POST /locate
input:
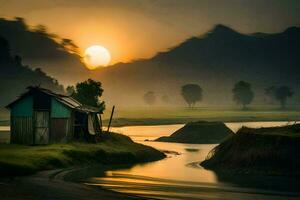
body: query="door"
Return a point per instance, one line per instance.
(41, 127)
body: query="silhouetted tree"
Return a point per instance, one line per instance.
(89, 93)
(70, 90)
(282, 94)
(150, 98)
(242, 93)
(270, 93)
(191, 93)
(279, 94)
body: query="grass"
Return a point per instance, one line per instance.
(178, 115)
(273, 150)
(113, 149)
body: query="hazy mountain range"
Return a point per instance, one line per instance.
(39, 48)
(15, 77)
(215, 60)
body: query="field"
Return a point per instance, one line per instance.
(113, 149)
(173, 115)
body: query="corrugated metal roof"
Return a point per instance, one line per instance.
(64, 99)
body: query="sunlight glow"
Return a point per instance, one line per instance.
(96, 56)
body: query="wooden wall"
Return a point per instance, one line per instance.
(21, 130)
(61, 123)
(22, 122)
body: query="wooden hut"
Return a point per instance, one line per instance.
(40, 116)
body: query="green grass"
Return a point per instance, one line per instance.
(112, 149)
(174, 115)
(274, 150)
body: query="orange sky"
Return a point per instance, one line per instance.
(132, 29)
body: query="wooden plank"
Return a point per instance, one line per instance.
(21, 130)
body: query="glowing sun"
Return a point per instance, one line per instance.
(96, 56)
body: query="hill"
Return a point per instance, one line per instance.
(201, 132)
(215, 60)
(15, 77)
(273, 150)
(57, 56)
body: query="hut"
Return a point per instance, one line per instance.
(40, 116)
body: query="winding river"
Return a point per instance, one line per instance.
(179, 176)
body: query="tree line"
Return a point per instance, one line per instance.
(242, 94)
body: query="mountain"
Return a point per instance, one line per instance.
(215, 60)
(15, 77)
(39, 48)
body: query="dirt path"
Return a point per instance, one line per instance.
(45, 186)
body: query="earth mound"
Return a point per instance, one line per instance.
(200, 132)
(274, 150)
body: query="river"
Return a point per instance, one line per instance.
(179, 176)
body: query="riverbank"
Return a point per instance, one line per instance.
(272, 151)
(16, 160)
(49, 185)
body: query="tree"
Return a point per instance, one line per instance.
(191, 93)
(150, 98)
(88, 93)
(281, 95)
(242, 93)
(70, 90)
(270, 93)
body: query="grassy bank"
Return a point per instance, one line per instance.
(273, 150)
(113, 149)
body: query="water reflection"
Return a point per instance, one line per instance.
(179, 176)
(141, 133)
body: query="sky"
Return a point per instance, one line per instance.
(132, 29)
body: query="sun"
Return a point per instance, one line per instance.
(96, 56)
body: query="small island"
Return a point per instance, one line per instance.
(201, 132)
(273, 150)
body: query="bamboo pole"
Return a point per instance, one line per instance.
(110, 119)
